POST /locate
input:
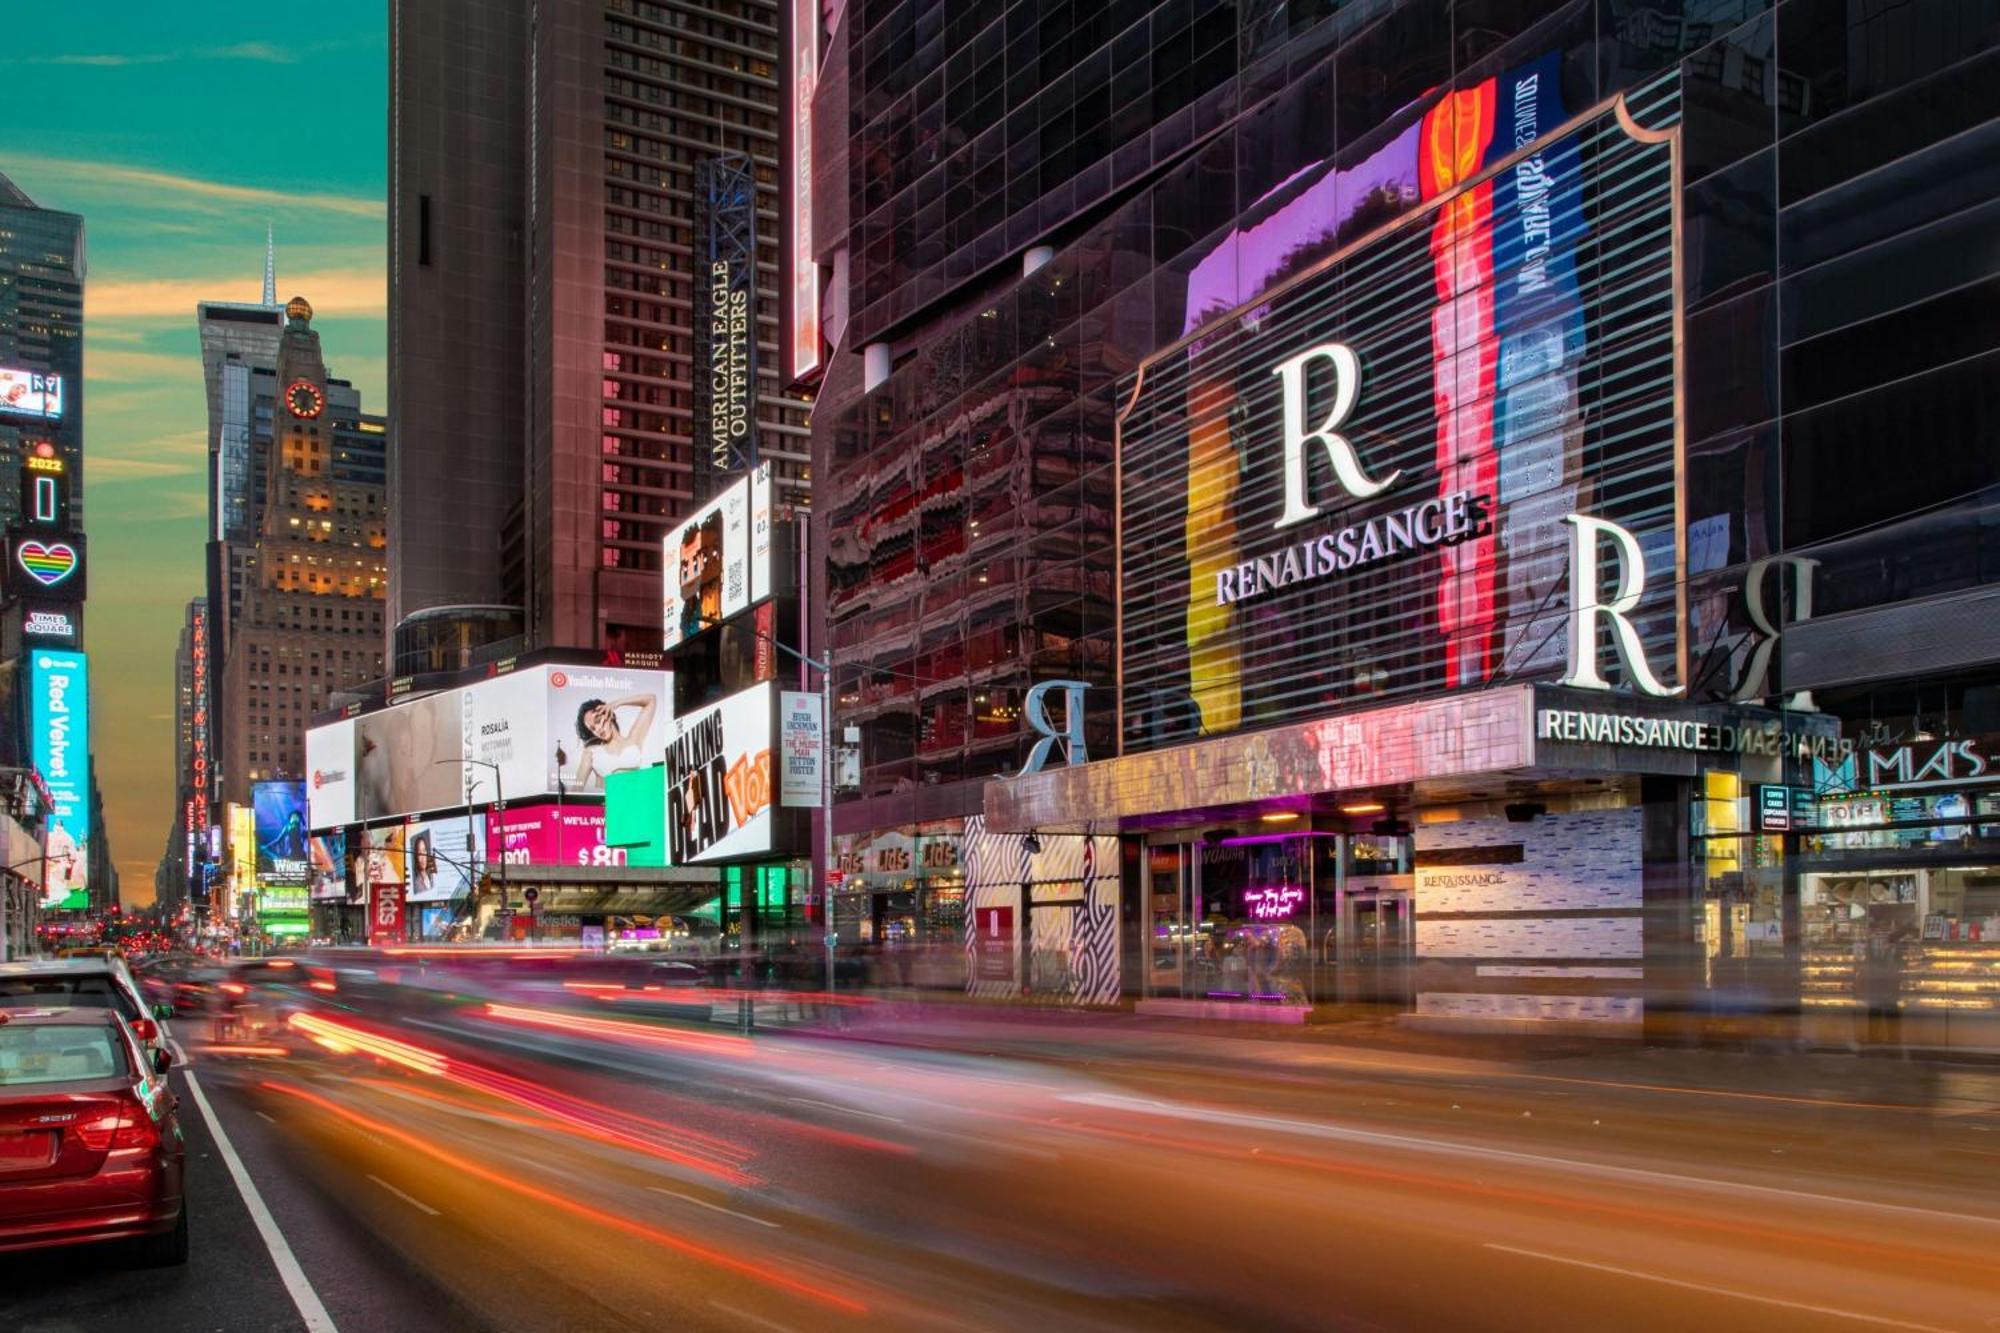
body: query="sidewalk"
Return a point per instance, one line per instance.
(1768, 1064)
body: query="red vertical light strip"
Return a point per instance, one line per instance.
(1456, 135)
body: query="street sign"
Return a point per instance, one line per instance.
(1774, 808)
(531, 893)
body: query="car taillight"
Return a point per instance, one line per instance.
(144, 1029)
(136, 1130)
(98, 1131)
(127, 1126)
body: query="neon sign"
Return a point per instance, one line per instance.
(1271, 902)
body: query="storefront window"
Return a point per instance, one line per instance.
(1741, 927)
(1278, 919)
(1900, 899)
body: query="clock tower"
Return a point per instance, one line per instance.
(314, 582)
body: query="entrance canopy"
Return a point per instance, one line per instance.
(1477, 739)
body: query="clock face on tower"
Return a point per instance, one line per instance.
(304, 399)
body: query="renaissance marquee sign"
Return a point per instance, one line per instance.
(1420, 434)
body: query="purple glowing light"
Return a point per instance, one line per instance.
(1269, 902)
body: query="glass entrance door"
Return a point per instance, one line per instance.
(1169, 895)
(1380, 931)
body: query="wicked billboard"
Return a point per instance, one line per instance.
(1362, 479)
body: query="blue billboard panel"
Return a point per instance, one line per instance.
(59, 699)
(282, 854)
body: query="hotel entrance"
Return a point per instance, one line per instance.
(1379, 939)
(1281, 920)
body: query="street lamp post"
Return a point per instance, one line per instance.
(825, 670)
(500, 807)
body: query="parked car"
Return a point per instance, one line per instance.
(90, 1143)
(93, 983)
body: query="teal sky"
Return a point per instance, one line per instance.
(178, 131)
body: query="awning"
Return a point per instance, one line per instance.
(1515, 730)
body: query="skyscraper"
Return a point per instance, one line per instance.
(308, 618)
(544, 438)
(41, 333)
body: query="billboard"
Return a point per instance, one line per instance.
(719, 560)
(718, 780)
(382, 855)
(45, 565)
(280, 813)
(550, 835)
(541, 731)
(59, 700)
(560, 730)
(1350, 481)
(725, 318)
(635, 815)
(445, 858)
(409, 758)
(242, 835)
(29, 393)
(803, 777)
(330, 774)
(326, 872)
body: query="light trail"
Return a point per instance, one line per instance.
(690, 1148)
(830, 1297)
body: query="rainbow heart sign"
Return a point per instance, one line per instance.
(48, 563)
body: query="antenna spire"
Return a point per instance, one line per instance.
(270, 268)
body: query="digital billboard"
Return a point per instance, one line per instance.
(561, 730)
(330, 774)
(59, 695)
(282, 854)
(635, 815)
(550, 835)
(719, 560)
(382, 860)
(327, 873)
(445, 858)
(1400, 380)
(45, 565)
(242, 835)
(410, 758)
(29, 393)
(718, 780)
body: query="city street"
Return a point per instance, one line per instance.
(1036, 667)
(503, 1157)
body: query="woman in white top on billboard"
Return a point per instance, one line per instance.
(609, 746)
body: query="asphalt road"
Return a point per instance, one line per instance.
(436, 1158)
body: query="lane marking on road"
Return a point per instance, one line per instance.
(413, 1202)
(715, 1207)
(1216, 1115)
(749, 1318)
(269, 1120)
(304, 1298)
(1718, 1291)
(850, 1110)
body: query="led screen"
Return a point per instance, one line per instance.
(59, 691)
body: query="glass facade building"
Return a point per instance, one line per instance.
(1700, 268)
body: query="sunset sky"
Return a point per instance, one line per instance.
(179, 131)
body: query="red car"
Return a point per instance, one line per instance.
(90, 1147)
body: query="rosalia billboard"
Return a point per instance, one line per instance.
(540, 731)
(551, 835)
